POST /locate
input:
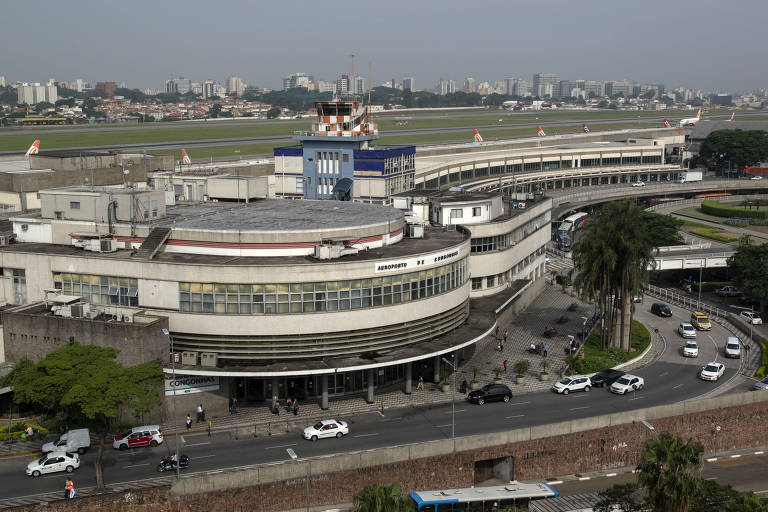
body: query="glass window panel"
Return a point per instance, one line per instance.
(258, 308)
(282, 288)
(354, 285)
(355, 294)
(220, 288)
(232, 288)
(366, 302)
(245, 308)
(282, 308)
(197, 307)
(258, 298)
(208, 287)
(332, 295)
(343, 285)
(296, 307)
(366, 292)
(270, 308)
(195, 287)
(270, 288)
(295, 287)
(387, 280)
(377, 281)
(344, 294)
(232, 307)
(377, 300)
(387, 299)
(295, 297)
(184, 306)
(344, 304)
(355, 303)
(367, 283)
(309, 287)
(207, 308)
(395, 298)
(244, 288)
(309, 307)
(283, 297)
(320, 287)
(332, 305)
(220, 307)
(270, 297)
(257, 288)
(333, 285)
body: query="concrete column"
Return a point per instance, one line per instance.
(408, 378)
(275, 388)
(324, 392)
(437, 370)
(369, 391)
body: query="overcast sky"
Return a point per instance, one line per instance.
(707, 44)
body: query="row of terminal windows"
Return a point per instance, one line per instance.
(123, 291)
(506, 240)
(500, 279)
(480, 172)
(320, 296)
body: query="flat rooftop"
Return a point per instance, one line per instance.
(448, 196)
(97, 190)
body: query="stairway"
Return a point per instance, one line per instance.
(153, 242)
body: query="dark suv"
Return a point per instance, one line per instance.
(661, 310)
(606, 378)
(490, 393)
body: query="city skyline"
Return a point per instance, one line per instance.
(684, 44)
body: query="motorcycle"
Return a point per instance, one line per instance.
(166, 464)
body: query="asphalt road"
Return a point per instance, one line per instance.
(670, 379)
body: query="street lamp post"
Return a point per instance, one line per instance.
(701, 269)
(173, 385)
(453, 397)
(292, 455)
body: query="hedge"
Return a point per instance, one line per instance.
(14, 432)
(760, 373)
(715, 208)
(596, 360)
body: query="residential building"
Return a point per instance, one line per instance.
(108, 88)
(235, 86)
(545, 84)
(408, 83)
(469, 84)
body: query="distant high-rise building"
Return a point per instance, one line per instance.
(343, 85)
(522, 88)
(545, 84)
(564, 89)
(180, 85)
(618, 88)
(79, 85)
(51, 93)
(35, 93)
(235, 86)
(323, 86)
(295, 80)
(2, 81)
(408, 83)
(209, 89)
(447, 86)
(509, 86)
(469, 84)
(593, 88)
(359, 85)
(108, 88)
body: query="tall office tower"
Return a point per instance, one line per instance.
(545, 84)
(469, 84)
(235, 86)
(408, 83)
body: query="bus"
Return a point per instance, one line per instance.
(716, 194)
(481, 499)
(566, 229)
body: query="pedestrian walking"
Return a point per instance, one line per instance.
(189, 422)
(69, 490)
(463, 388)
(505, 335)
(499, 347)
(234, 405)
(496, 334)
(230, 406)
(546, 349)
(209, 428)
(506, 362)
(295, 407)
(200, 413)
(420, 385)
(288, 405)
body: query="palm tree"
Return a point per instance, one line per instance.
(668, 471)
(382, 498)
(612, 259)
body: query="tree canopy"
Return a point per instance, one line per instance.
(737, 148)
(382, 498)
(749, 269)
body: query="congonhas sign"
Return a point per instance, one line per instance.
(191, 384)
(413, 263)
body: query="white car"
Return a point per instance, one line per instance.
(690, 349)
(732, 347)
(761, 385)
(53, 462)
(326, 428)
(712, 371)
(756, 178)
(686, 330)
(638, 184)
(572, 383)
(751, 318)
(626, 384)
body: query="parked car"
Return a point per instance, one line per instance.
(732, 347)
(761, 385)
(326, 428)
(638, 184)
(756, 178)
(700, 321)
(627, 383)
(147, 435)
(661, 310)
(606, 377)
(712, 371)
(686, 330)
(572, 383)
(728, 291)
(53, 462)
(77, 440)
(490, 393)
(690, 349)
(751, 318)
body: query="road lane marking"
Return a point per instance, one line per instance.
(711, 459)
(637, 397)
(515, 416)
(759, 453)
(555, 482)
(366, 435)
(736, 456)
(711, 478)
(204, 456)
(520, 403)
(280, 446)
(611, 474)
(136, 465)
(675, 387)
(577, 408)
(443, 426)
(451, 412)
(582, 478)
(663, 374)
(197, 444)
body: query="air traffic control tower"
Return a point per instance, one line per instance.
(338, 147)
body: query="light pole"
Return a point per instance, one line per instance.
(453, 397)
(292, 454)
(701, 269)
(173, 385)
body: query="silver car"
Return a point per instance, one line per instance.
(761, 385)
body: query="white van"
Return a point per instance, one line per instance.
(78, 440)
(732, 347)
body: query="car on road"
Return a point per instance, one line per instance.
(53, 462)
(728, 291)
(732, 347)
(627, 383)
(700, 321)
(606, 378)
(686, 330)
(712, 371)
(690, 349)
(751, 318)
(490, 393)
(326, 428)
(761, 385)
(661, 309)
(638, 184)
(147, 435)
(572, 383)
(76, 440)
(756, 178)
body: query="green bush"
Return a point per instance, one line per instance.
(13, 433)
(761, 372)
(715, 208)
(714, 234)
(596, 360)
(711, 286)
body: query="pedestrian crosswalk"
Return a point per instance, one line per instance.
(558, 263)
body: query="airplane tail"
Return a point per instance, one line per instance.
(33, 149)
(666, 124)
(733, 115)
(478, 137)
(698, 114)
(585, 128)
(540, 131)
(185, 157)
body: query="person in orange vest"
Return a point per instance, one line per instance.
(69, 490)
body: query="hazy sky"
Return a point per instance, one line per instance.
(708, 44)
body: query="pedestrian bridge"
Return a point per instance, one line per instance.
(682, 257)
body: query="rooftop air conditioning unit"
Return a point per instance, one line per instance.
(128, 319)
(189, 358)
(77, 310)
(208, 359)
(108, 245)
(176, 357)
(415, 231)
